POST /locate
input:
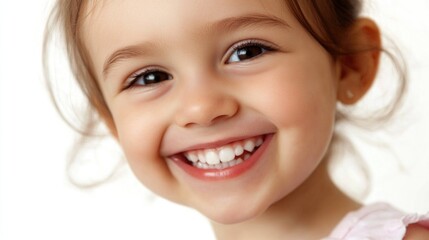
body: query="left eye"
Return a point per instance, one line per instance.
(247, 51)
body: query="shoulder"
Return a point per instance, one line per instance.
(416, 232)
(381, 221)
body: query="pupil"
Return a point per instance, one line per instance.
(249, 52)
(155, 77)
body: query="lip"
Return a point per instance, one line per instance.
(222, 174)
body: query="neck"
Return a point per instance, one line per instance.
(310, 212)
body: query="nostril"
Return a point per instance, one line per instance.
(206, 110)
(208, 122)
(219, 118)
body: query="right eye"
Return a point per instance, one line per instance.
(146, 78)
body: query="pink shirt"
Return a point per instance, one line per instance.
(378, 221)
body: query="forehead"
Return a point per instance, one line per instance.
(158, 12)
(112, 24)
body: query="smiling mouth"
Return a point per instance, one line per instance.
(225, 156)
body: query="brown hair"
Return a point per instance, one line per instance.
(327, 21)
(67, 15)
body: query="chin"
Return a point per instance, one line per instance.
(235, 213)
(242, 210)
(233, 217)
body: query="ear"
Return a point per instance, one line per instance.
(358, 69)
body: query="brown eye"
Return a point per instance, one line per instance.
(154, 77)
(148, 77)
(247, 51)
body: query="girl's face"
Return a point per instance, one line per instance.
(226, 106)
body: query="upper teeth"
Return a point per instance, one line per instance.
(223, 154)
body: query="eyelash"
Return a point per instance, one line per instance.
(250, 43)
(131, 81)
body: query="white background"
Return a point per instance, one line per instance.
(37, 202)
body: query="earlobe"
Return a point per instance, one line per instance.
(359, 67)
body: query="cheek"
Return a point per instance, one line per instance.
(302, 104)
(140, 134)
(298, 94)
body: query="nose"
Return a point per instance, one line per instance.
(205, 105)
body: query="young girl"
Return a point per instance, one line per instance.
(229, 107)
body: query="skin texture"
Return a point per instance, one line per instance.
(416, 232)
(289, 91)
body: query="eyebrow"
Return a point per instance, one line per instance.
(124, 54)
(249, 20)
(225, 25)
